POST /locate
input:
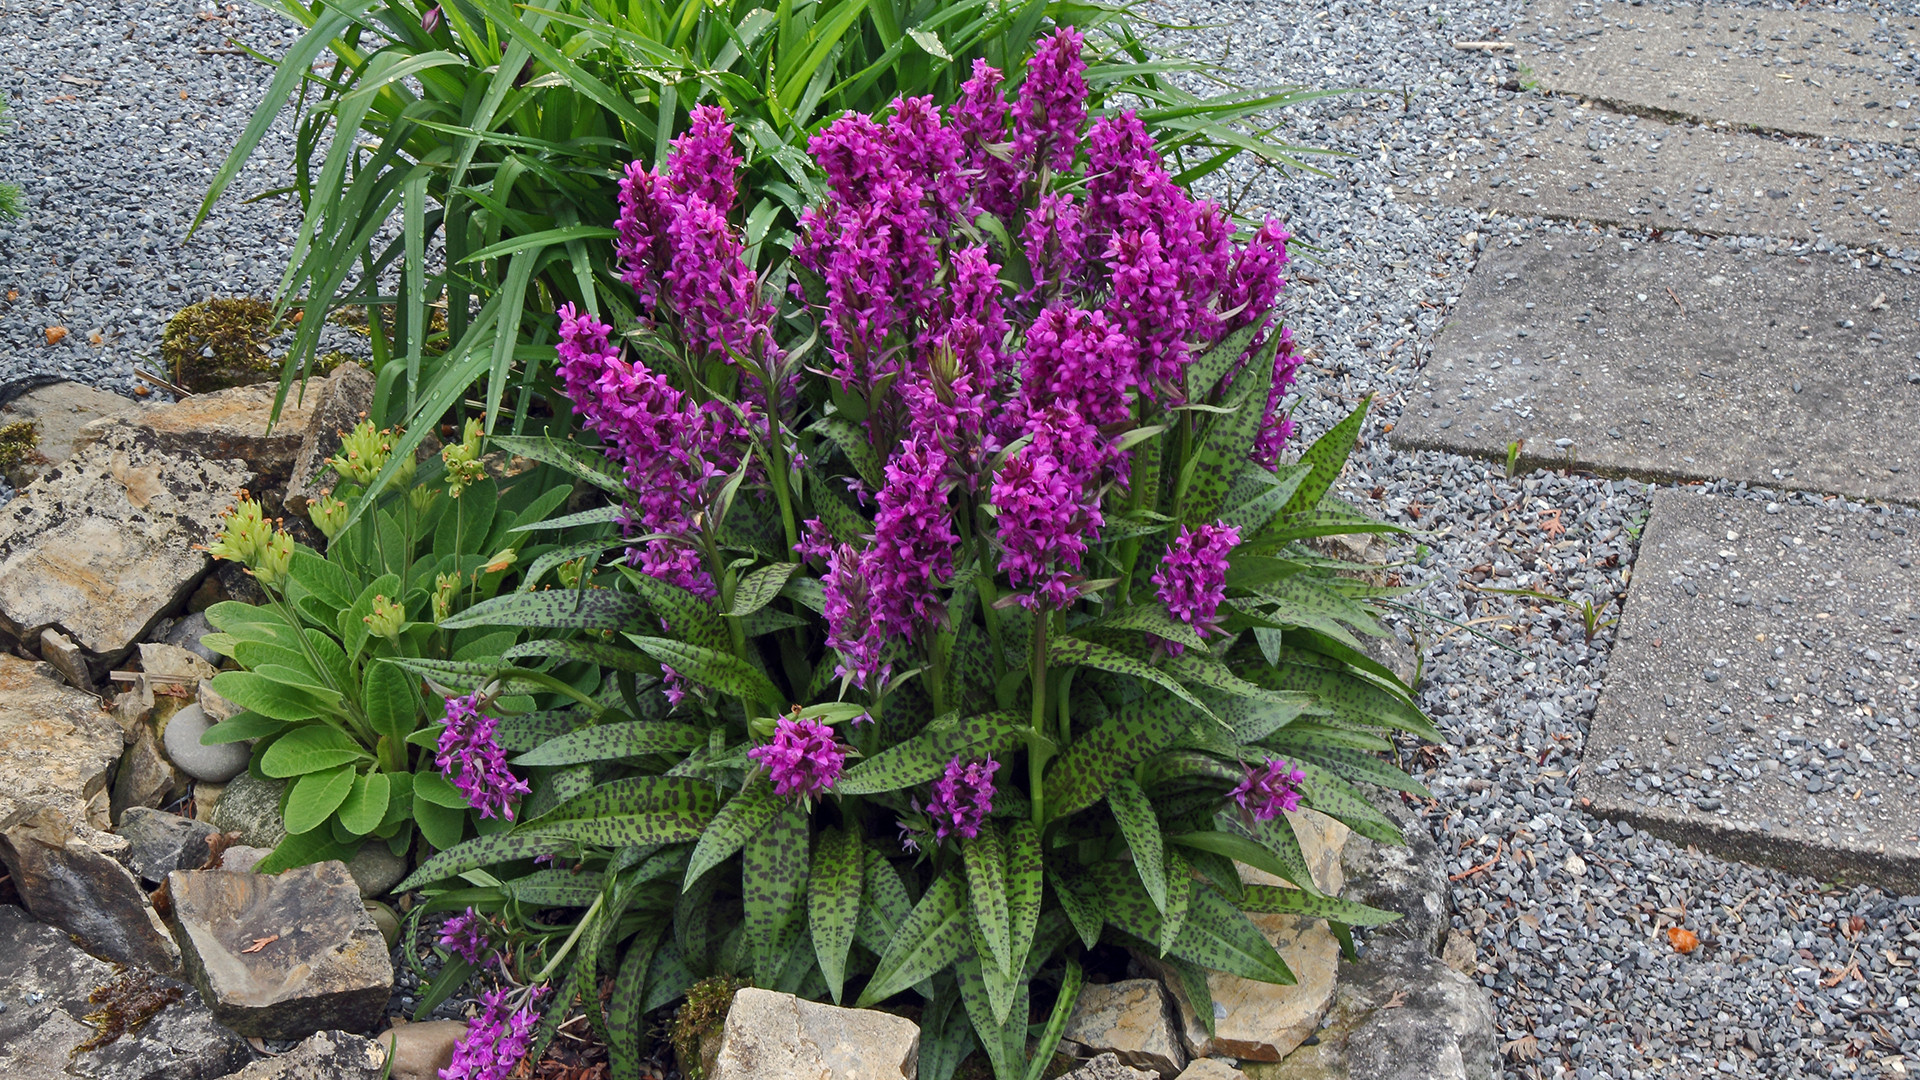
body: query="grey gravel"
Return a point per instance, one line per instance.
(1568, 912)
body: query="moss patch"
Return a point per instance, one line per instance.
(697, 1025)
(130, 1000)
(19, 444)
(220, 342)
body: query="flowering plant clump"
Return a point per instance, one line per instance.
(961, 614)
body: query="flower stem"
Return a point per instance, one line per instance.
(1037, 742)
(567, 945)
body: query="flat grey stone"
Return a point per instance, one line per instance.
(45, 982)
(282, 956)
(160, 843)
(773, 1036)
(1652, 174)
(58, 409)
(1756, 367)
(324, 1055)
(1805, 73)
(1754, 704)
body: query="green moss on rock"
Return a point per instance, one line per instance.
(697, 1026)
(220, 342)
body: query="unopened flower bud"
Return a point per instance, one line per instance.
(463, 461)
(328, 514)
(500, 562)
(386, 619)
(363, 453)
(444, 586)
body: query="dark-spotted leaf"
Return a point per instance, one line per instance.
(479, 852)
(602, 653)
(610, 742)
(1063, 1003)
(1130, 735)
(1277, 900)
(742, 816)
(834, 884)
(1142, 829)
(758, 588)
(1002, 1035)
(929, 940)
(884, 904)
(557, 609)
(689, 618)
(985, 856)
(1173, 914)
(1082, 909)
(1205, 371)
(925, 756)
(569, 457)
(1068, 651)
(1024, 886)
(716, 670)
(635, 810)
(1326, 457)
(1227, 441)
(1354, 765)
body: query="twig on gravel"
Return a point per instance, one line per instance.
(1488, 865)
(1484, 46)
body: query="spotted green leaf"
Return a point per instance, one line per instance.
(1082, 909)
(1072, 979)
(1003, 1035)
(1325, 791)
(760, 587)
(1205, 371)
(985, 856)
(690, 618)
(1128, 736)
(1142, 831)
(931, 939)
(609, 742)
(1355, 765)
(1228, 439)
(634, 810)
(719, 671)
(569, 457)
(556, 609)
(1069, 651)
(1173, 917)
(742, 816)
(851, 439)
(925, 756)
(1024, 888)
(605, 654)
(1277, 900)
(834, 884)
(1326, 457)
(773, 889)
(478, 852)
(1342, 692)
(884, 904)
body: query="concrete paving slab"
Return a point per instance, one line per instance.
(1760, 702)
(1665, 361)
(1797, 72)
(1642, 172)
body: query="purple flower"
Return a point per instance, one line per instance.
(1192, 579)
(1256, 278)
(642, 245)
(1080, 357)
(962, 798)
(1116, 147)
(1278, 427)
(1046, 507)
(703, 164)
(496, 1039)
(928, 152)
(851, 627)
(1055, 242)
(1269, 789)
(913, 543)
(980, 118)
(465, 936)
(1052, 105)
(468, 755)
(803, 759)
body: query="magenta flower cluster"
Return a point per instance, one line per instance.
(468, 755)
(803, 759)
(1192, 579)
(465, 936)
(1269, 789)
(498, 1038)
(962, 798)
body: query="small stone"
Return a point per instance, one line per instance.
(160, 843)
(282, 957)
(325, 1055)
(1209, 1069)
(217, 763)
(1460, 953)
(59, 650)
(66, 874)
(420, 1051)
(1130, 1020)
(145, 778)
(242, 858)
(175, 662)
(1576, 866)
(772, 1036)
(376, 869)
(1109, 1067)
(186, 633)
(251, 807)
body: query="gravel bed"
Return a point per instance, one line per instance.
(1568, 912)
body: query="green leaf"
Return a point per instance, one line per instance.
(1278, 900)
(326, 582)
(1310, 601)
(1024, 887)
(719, 671)
(1358, 766)
(391, 705)
(1205, 371)
(760, 587)
(1082, 910)
(554, 888)
(258, 693)
(1002, 1035)
(578, 461)
(773, 888)
(1228, 439)
(884, 904)
(557, 609)
(931, 939)
(925, 756)
(985, 857)
(1323, 790)
(442, 826)
(1070, 983)
(609, 742)
(1126, 737)
(1142, 829)
(309, 749)
(315, 796)
(438, 790)
(636, 810)
(1173, 917)
(690, 617)
(1069, 651)
(478, 852)
(1326, 457)
(241, 727)
(365, 806)
(834, 884)
(1342, 692)
(299, 849)
(604, 654)
(624, 1018)
(851, 439)
(739, 818)
(1151, 618)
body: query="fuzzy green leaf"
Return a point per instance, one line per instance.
(309, 749)
(389, 700)
(241, 727)
(834, 884)
(268, 697)
(315, 796)
(365, 806)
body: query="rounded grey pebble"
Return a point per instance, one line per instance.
(214, 764)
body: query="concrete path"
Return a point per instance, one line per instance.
(1761, 700)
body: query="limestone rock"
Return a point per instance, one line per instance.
(56, 746)
(216, 707)
(1109, 1067)
(103, 545)
(1130, 1020)
(224, 425)
(58, 409)
(186, 633)
(771, 1036)
(1257, 1021)
(1410, 879)
(67, 658)
(217, 763)
(420, 1051)
(44, 985)
(145, 777)
(323, 963)
(251, 807)
(66, 875)
(175, 662)
(242, 858)
(338, 404)
(1442, 1028)
(324, 1055)
(160, 843)
(1209, 1069)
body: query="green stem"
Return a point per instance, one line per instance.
(1036, 737)
(567, 945)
